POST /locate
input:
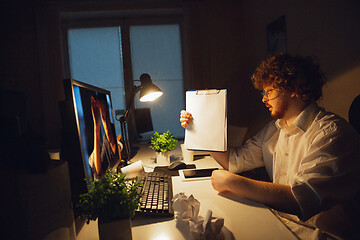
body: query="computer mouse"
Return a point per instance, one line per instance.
(176, 166)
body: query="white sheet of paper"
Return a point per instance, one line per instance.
(208, 130)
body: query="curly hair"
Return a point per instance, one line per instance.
(294, 74)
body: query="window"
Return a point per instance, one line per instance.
(157, 51)
(97, 56)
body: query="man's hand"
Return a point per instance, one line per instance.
(185, 118)
(220, 180)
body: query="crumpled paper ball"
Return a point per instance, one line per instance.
(208, 228)
(187, 209)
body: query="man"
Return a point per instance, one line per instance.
(311, 155)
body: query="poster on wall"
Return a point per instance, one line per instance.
(276, 36)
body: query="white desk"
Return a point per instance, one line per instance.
(243, 219)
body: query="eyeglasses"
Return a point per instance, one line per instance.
(265, 94)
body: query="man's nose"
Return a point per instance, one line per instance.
(264, 99)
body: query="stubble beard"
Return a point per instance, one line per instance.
(279, 112)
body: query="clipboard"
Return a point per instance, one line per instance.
(208, 130)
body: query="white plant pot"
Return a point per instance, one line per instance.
(163, 158)
(116, 230)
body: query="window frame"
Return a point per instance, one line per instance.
(123, 20)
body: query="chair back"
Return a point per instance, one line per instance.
(354, 114)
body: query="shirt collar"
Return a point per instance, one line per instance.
(303, 120)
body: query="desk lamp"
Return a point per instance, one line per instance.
(148, 92)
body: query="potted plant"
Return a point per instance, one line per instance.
(113, 201)
(162, 144)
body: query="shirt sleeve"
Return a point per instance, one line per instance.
(329, 172)
(250, 155)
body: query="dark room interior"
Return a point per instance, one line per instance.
(222, 43)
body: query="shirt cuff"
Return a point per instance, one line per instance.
(307, 200)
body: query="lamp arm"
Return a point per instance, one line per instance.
(123, 122)
(134, 90)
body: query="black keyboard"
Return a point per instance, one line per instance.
(156, 194)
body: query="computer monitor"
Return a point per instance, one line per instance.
(88, 133)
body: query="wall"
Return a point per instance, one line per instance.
(234, 42)
(223, 43)
(327, 30)
(19, 68)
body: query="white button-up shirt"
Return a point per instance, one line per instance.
(317, 155)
